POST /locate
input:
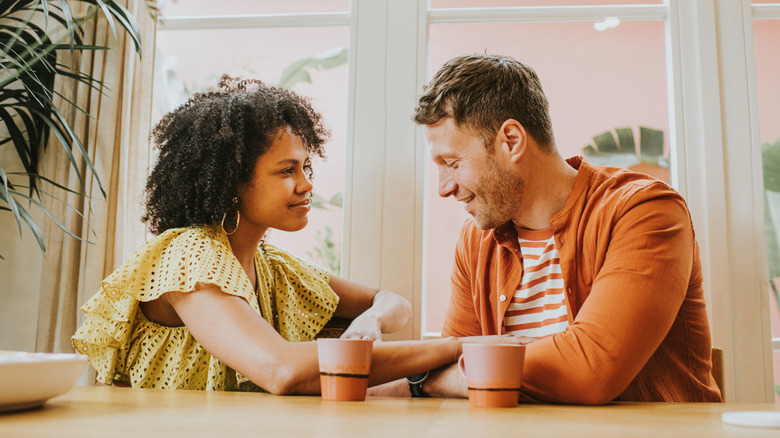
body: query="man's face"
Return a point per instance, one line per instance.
(490, 191)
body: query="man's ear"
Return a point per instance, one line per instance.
(513, 139)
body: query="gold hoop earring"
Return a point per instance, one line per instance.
(231, 221)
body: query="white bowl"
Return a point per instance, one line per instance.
(27, 380)
(769, 419)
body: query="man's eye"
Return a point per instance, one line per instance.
(451, 164)
(288, 171)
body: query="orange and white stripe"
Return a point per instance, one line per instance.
(538, 307)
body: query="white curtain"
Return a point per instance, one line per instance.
(117, 138)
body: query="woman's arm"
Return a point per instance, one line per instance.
(228, 328)
(373, 311)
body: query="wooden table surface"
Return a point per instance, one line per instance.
(142, 413)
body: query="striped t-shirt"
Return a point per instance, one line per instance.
(538, 307)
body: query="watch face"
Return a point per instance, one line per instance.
(418, 378)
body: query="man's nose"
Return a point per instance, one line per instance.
(446, 185)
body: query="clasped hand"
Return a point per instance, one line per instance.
(365, 326)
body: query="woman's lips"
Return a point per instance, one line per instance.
(303, 205)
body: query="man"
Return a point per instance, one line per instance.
(598, 265)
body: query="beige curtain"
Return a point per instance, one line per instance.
(117, 140)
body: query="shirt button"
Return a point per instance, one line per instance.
(502, 298)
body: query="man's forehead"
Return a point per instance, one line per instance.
(446, 139)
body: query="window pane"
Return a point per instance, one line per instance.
(193, 60)
(766, 36)
(596, 82)
(190, 8)
(436, 4)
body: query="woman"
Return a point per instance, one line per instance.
(206, 304)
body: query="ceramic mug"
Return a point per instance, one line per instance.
(494, 373)
(344, 368)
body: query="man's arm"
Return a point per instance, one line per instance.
(633, 302)
(446, 381)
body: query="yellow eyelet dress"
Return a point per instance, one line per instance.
(123, 345)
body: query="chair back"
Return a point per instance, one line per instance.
(717, 369)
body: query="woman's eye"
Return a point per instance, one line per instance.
(288, 171)
(451, 164)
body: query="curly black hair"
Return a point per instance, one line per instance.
(209, 146)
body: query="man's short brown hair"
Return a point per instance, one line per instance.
(481, 92)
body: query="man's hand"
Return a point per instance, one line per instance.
(446, 381)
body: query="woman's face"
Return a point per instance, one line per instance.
(278, 194)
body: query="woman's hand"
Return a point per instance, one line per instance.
(498, 339)
(373, 311)
(365, 326)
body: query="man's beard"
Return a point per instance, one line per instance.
(499, 194)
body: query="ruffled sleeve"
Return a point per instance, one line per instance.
(176, 260)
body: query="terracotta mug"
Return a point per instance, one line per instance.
(494, 373)
(344, 368)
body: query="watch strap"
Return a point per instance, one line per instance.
(415, 384)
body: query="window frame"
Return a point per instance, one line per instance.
(712, 104)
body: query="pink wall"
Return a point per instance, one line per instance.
(595, 81)
(766, 36)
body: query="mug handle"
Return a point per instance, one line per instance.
(462, 366)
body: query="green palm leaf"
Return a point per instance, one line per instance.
(33, 33)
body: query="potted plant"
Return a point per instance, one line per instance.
(618, 149)
(36, 39)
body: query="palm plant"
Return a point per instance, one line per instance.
(619, 148)
(35, 38)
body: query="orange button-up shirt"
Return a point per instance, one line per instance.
(638, 323)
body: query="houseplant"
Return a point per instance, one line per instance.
(40, 42)
(619, 149)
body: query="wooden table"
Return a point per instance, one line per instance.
(143, 413)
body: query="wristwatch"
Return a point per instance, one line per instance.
(415, 384)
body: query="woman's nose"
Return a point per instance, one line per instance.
(305, 185)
